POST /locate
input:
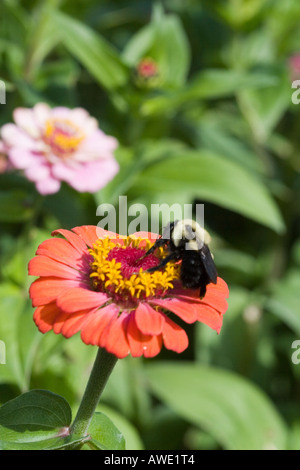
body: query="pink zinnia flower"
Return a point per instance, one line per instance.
(94, 282)
(60, 144)
(294, 65)
(4, 163)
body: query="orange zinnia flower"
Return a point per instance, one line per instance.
(94, 281)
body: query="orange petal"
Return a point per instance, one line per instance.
(135, 337)
(68, 324)
(113, 337)
(76, 299)
(210, 317)
(221, 286)
(90, 233)
(175, 338)
(215, 300)
(72, 238)
(46, 290)
(140, 344)
(45, 315)
(184, 309)
(148, 320)
(60, 250)
(96, 322)
(44, 266)
(215, 296)
(153, 347)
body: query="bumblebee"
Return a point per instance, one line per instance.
(184, 240)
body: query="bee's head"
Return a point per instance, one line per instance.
(189, 233)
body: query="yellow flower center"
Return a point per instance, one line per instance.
(119, 270)
(63, 136)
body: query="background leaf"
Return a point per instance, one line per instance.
(101, 59)
(35, 420)
(215, 125)
(232, 409)
(207, 176)
(14, 206)
(104, 434)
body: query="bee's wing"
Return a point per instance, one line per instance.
(168, 229)
(208, 263)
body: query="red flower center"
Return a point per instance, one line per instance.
(120, 270)
(130, 259)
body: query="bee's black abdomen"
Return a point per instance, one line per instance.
(192, 271)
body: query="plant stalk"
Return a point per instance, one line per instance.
(103, 367)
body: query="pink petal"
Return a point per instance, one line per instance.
(41, 113)
(47, 186)
(61, 112)
(24, 118)
(38, 172)
(87, 177)
(97, 146)
(23, 158)
(83, 120)
(15, 137)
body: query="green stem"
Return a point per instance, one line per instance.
(103, 366)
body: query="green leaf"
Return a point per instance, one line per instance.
(12, 303)
(164, 40)
(285, 300)
(104, 434)
(209, 84)
(38, 419)
(208, 176)
(133, 439)
(14, 206)
(263, 109)
(215, 138)
(229, 407)
(97, 55)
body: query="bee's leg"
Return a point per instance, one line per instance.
(163, 263)
(158, 243)
(202, 291)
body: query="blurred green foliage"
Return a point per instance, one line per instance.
(217, 126)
